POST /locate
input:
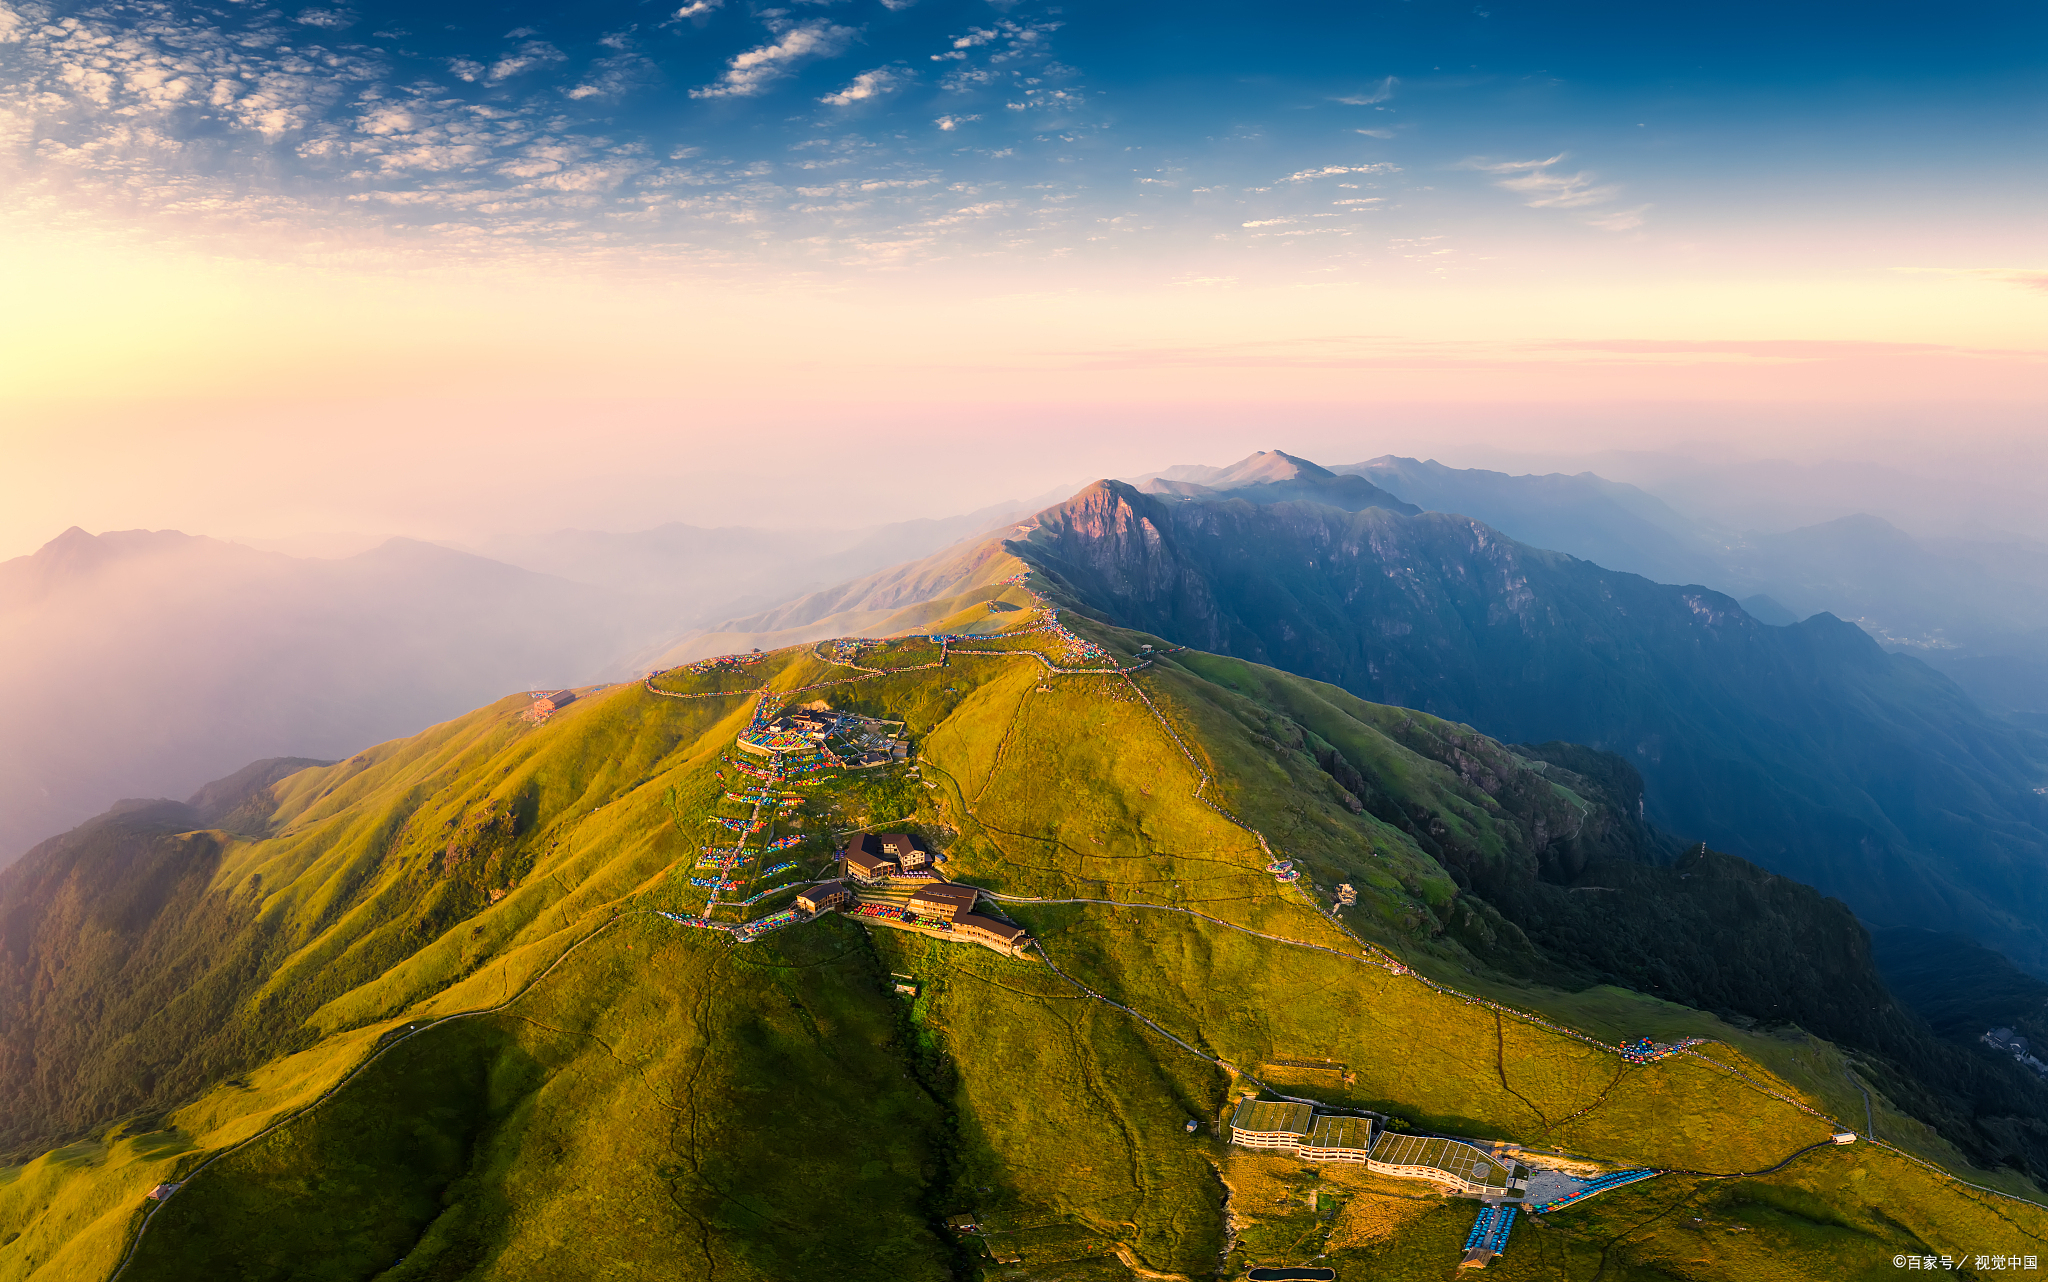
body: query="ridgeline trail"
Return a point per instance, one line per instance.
(1370, 954)
(377, 1052)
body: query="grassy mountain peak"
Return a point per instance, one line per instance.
(472, 951)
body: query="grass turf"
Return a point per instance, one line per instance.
(665, 1103)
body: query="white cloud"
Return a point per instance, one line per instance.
(1047, 100)
(699, 8)
(613, 77)
(530, 56)
(589, 177)
(329, 19)
(1542, 186)
(1361, 200)
(868, 84)
(751, 73)
(1267, 222)
(152, 107)
(1375, 133)
(1378, 93)
(962, 79)
(1328, 171)
(987, 49)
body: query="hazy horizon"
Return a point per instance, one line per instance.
(341, 510)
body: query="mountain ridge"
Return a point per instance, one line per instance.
(495, 860)
(1444, 614)
(1739, 751)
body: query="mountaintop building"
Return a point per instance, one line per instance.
(1450, 1164)
(1270, 1124)
(947, 899)
(902, 848)
(872, 857)
(824, 895)
(990, 933)
(864, 859)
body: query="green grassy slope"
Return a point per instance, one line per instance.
(642, 1096)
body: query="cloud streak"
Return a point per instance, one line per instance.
(752, 72)
(866, 85)
(1377, 94)
(1332, 171)
(1542, 185)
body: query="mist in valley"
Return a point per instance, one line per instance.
(150, 663)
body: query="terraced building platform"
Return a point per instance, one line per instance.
(1323, 1137)
(1452, 1163)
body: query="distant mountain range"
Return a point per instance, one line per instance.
(149, 662)
(467, 976)
(1976, 607)
(1806, 748)
(408, 632)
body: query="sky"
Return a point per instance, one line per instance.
(442, 268)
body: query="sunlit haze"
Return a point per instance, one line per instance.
(346, 268)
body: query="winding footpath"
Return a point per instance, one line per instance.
(1372, 954)
(1375, 955)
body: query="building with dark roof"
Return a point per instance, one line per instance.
(865, 861)
(947, 899)
(545, 704)
(1452, 1165)
(990, 933)
(902, 847)
(824, 895)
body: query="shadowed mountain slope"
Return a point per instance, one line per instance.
(1615, 525)
(1975, 607)
(1807, 749)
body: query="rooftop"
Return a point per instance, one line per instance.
(1341, 1132)
(949, 894)
(1269, 1116)
(1459, 1160)
(1001, 929)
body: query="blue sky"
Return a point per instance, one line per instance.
(886, 132)
(257, 249)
